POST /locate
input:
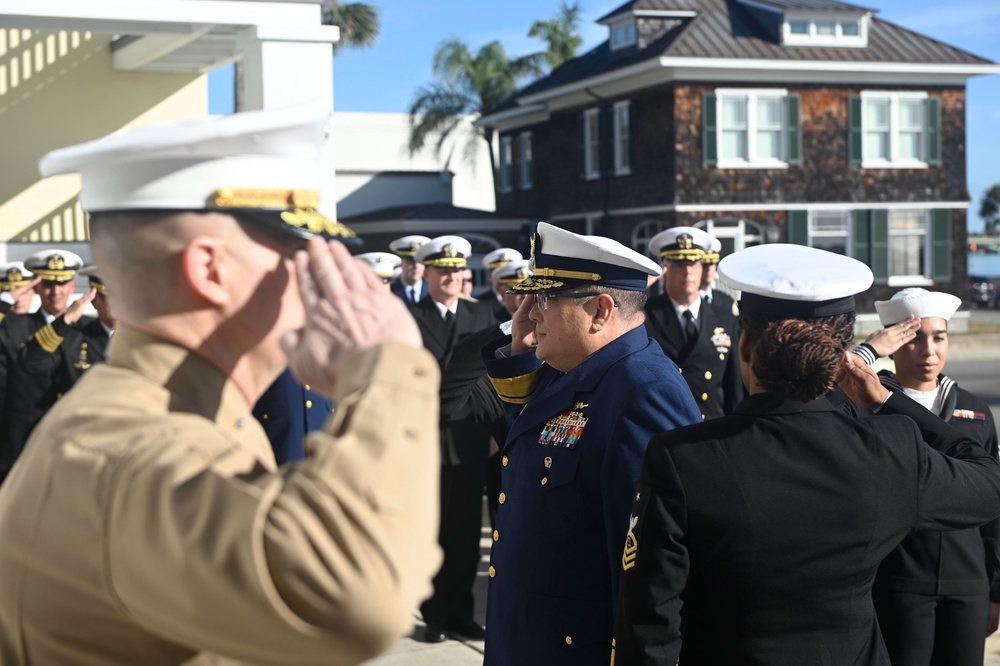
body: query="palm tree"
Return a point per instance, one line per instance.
(561, 33)
(466, 85)
(989, 209)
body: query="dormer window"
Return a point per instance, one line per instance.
(803, 30)
(622, 34)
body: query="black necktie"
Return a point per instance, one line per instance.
(411, 294)
(449, 320)
(690, 332)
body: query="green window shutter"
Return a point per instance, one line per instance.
(798, 227)
(709, 131)
(855, 147)
(631, 136)
(862, 236)
(941, 229)
(606, 125)
(793, 118)
(933, 107)
(880, 246)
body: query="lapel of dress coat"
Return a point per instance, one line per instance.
(557, 395)
(667, 328)
(428, 315)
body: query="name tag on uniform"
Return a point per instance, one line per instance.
(563, 430)
(968, 414)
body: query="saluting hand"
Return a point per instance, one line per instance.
(886, 341)
(860, 382)
(348, 310)
(21, 291)
(75, 311)
(522, 328)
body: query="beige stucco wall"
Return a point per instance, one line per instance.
(57, 89)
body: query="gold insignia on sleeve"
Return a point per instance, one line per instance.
(82, 364)
(631, 545)
(517, 390)
(48, 339)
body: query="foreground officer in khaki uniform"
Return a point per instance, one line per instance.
(146, 522)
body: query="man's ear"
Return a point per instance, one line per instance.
(746, 347)
(203, 268)
(605, 308)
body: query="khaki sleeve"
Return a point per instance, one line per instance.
(320, 563)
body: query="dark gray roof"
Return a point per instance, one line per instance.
(729, 29)
(817, 5)
(434, 211)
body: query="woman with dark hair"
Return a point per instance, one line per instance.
(754, 538)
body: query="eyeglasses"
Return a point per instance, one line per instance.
(542, 298)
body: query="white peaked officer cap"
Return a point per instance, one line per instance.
(919, 302)
(680, 244)
(445, 252)
(513, 272)
(712, 256)
(794, 281)
(54, 265)
(261, 165)
(13, 274)
(95, 281)
(501, 256)
(407, 246)
(387, 266)
(561, 259)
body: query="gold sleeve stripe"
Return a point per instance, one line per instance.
(517, 390)
(48, 339)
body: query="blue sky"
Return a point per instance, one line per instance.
(386, 77)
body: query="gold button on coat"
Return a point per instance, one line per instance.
(503, 498)
(545, 480)
(493, 572)
(569, 640)
(309, 403)
(496, 535)
(704, 397)
(505, 461)
(708, 375)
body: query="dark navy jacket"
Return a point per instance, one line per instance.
(288, 411)
(398, 287)
(569, 469)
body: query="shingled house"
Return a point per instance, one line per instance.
(802, 121)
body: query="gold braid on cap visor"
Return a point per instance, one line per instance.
(302, 202)
(692, 254)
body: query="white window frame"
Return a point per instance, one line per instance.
(623, 34)
(813, 38)
(848, 236)
(526, 150)
(752, 96)
(894, 98)
(901, 280)
(506, 164)
(623, 138)
(592, 144)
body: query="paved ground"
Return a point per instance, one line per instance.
(413, 652)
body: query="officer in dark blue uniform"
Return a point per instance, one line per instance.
(287, 411)
(411, 286)
(587, 389)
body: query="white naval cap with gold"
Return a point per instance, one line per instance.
(712, 256)
(407, 246)
(499, 257)
(445, 252)
(13, 274)
(680, 244)
(795, 281)
(512, 272)
(262, 165)
(919, 302)
(93, 279)
(561, 259)
(54, 265)
(386, 265)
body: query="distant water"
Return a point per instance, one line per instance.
(984, 264)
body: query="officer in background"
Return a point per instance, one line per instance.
(16, 288)
(444, 318)
(387, 266)
(27, 397)
(491, 262)
(586, 389)
(699, 337)
(710, 293)
(935, 595)
(410, 286)
(151, 521)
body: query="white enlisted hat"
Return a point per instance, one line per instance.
(13, 274)
(712, 256)
(93, 279)
(680, 244)
(512, 272)
(386, 265)
(260, 165)
(794, 281)
(407, 246)
(919, 302)
(445, 252)
(561, 259)
(54, 265)
(501, 256)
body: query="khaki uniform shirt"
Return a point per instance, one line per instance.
(147, 523)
